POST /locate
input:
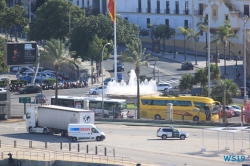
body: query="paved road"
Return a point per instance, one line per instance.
(139, 143)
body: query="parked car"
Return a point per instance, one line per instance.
(120, 66)
(120, 76)
(3, 90)
(40, 98)
(228, 111)
(26, 78)
(170, 132)
(30, 89)
(176, 90)
(14, 68)
(107, 80)
(242, 91)
(52, 75)
(236, 110)
(98, 90)
(163, 86)
(64, 76)
(187, 66)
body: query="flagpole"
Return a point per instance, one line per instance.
(115, 51)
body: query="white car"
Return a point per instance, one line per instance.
(163, 87)
(97, 90)
(170, 132)
(236, 109)
(3, 90)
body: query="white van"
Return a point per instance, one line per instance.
(85, 131)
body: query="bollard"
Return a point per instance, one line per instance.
(30, 144)
(78, 147)
(105, 151)
(69, 146)
(138, 164)
(0, 143)
(61, 145)
(114, 152)
(43, 156)
(95, 149)
(46, 144)
(2, 155)
(14, 143)
(87, 149)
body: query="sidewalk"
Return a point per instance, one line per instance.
(201, 62)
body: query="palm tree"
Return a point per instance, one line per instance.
(57, 53)
(202, 27)
(222, 36)
(136, 55)
(186, 32)
(186, 82)
(196, 38)
(225, 89)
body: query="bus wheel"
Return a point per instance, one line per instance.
(74, 139)
(196, 118)
(45, 131)
(157, 117)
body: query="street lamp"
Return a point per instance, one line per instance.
(102, 79)
(244, 62)
(196, 39)
(69, 19)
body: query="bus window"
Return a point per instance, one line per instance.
(146, 102)
(185, 103)
(95, 104)
(53, 102)
(60, 102)
(160, 102)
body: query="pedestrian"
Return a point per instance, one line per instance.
(94, 78)
(128, 114)
(97, 79)
(238, 75)
(11, 38)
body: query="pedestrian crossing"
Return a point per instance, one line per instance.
(172, 81)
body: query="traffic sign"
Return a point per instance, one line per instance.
(24, 99)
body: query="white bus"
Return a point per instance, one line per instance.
(112, 107)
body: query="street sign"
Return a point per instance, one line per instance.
(24, 99)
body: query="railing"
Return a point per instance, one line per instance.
(185, 11)
(176, 11)
(157, 10)
(148, 10)
(198, 12)
(167, 11)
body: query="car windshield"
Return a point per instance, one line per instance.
(107, 79)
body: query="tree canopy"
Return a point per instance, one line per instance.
(53, 19)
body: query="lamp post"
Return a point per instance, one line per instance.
(244, 62)
(69, 19)
(208, 48)
(196, 39)
(102, 79)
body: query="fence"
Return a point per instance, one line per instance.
(17, 110)
(68, 151)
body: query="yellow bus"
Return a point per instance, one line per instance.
(184, 108)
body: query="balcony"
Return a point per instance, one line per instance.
(176, 11)
(157, 10)
(185, 11)
(138, 10)
(148, 10)
(198, 12)
(167, 11)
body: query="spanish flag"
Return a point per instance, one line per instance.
(112, 9)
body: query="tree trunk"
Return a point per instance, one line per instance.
(163, 47)
(57, 68)
(137, 71)
(92, 72)
(185, 48)
(225, 67)
(152, 44)
(195, 53)
(15, 34)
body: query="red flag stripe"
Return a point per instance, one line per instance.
(112, 11)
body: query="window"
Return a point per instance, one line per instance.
(88, 3)
(158, 7)
(149, 6)
(160, 102)
(202, 106)
(167, 22)
(148, 22)
(167, 7)
(185, 103)
(95, 104)
(125, 18)
(146, 102)
(139, 6)
(176, 7)
(200, 12)
(186, 23)
(226, 17)
(77, 3)
(82, 3)
(246, 10)
(186, 8)
(167, 130)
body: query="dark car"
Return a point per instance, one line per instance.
(187, 66)
(107, 80)
(120, 76)
(30, 89)
(120, 67)
(242, 91)
(40, 98)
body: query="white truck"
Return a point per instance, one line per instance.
(85, 131)
(55, 119)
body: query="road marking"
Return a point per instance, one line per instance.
(162, 70)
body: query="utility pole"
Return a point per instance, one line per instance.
(208, 51)
(244, 62)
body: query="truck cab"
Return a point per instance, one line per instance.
(85, 132)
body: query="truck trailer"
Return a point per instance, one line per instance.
(55, 119)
